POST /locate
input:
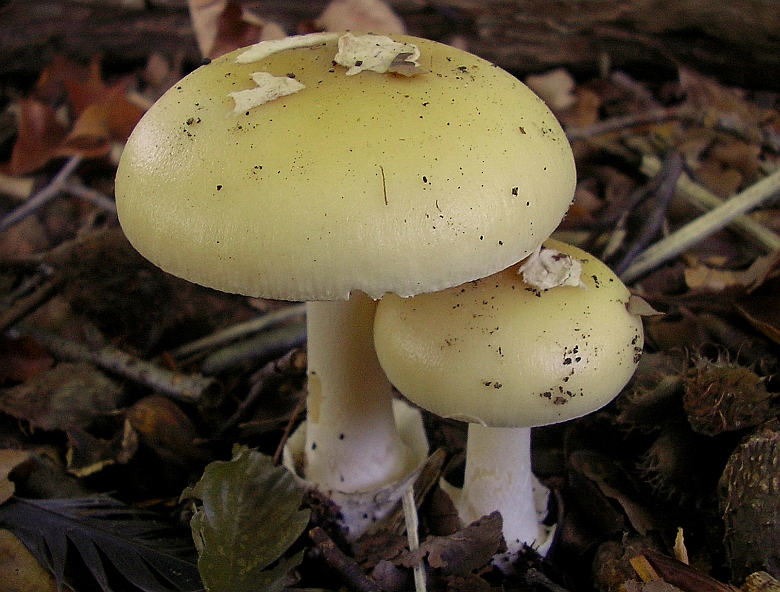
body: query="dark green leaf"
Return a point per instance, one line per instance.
(140, 547)
(250, 515)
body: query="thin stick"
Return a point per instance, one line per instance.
(349, 570)
(184, 387)
(241, 330)
(667, 180)
(91, 195)
(614, 124)
(264, 345)
(534, 576)
(43, 196)
(412, 526)
(293, 361)
(25, 305)
(702, 227)
(705, 200)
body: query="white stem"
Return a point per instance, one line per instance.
(352, 442)
(499, 477)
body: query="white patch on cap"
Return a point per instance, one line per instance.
(269, 87)
(376, 53)
(262, 50)
(548, 268)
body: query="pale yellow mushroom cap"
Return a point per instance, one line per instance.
(373, 182)
(499, 352)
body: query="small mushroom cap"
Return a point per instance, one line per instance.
(374, 182)
(498, 352)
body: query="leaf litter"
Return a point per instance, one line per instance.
(658, 461)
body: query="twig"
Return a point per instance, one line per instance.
(666, 182)
(614, 124)
(705, 200)
(264, 345)
(412, 535)
(288, 430)
(240, 330)
(534, 576)
(184, 387)
(293, 361)
(25, 305)
(43, 196)
(91, 195)
(347, 568)
(702, 227)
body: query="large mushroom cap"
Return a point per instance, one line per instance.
(502, 353)
(380, 182)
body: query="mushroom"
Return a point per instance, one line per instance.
(333, 169)
(507, 355)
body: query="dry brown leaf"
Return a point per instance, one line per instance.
(233, 30)
(21, 359)
(556, 88)
(88, 454)
(10, 460)
(39, 134)
(51, 84)
(762, 308)
(20, 571)
(464, 551)
(112, 118)
(165, 428)
(614, 484)
(84, 91)
(68, 395)
(360, 15)
(739, 155)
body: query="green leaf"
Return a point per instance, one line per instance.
(144, 550)
(249, 516)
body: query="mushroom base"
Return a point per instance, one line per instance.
(361, 509)
(499, 477)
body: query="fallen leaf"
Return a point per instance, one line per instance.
(85, 90)
(462, 552)
(88, 454)
(762, 308)
(556, 88)
(39, 134)
(248, 515)
(68, 395)
(20, 571)
(110, 118)
(616, 485)
(360, 15)
(22, 358)
(165, 428)
(10, 460)
(233, 30)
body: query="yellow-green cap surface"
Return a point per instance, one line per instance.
(372, 182)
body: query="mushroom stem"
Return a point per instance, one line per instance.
(499, 477)
(352, 441)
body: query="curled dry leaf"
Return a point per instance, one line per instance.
(360, 15)
(38, 136)
(462, 552)
(68, 395)
(10, 460)
(164, 427)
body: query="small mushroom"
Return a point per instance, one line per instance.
(334, 169)
(505, 355)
